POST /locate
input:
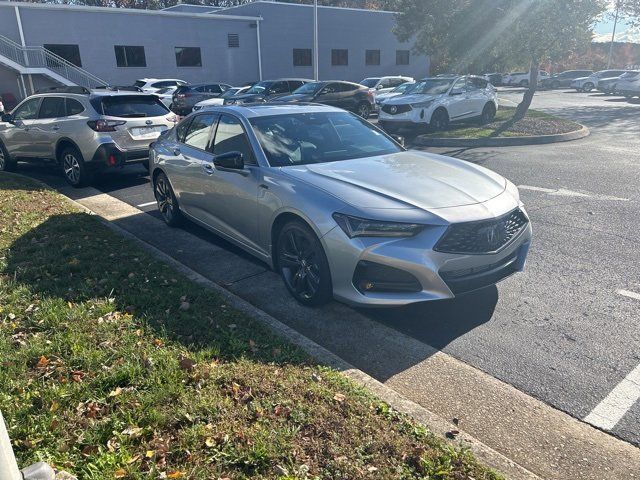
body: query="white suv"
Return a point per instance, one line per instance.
(152, 85)
(586, 84)
(435, 102)
(629, 84)
(521, 79)
(385, 84)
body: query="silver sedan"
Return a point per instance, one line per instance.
(339, 208)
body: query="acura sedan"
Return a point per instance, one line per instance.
(337, 207)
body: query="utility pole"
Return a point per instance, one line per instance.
(613, 35)
(316, 75)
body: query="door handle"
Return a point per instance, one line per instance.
(176, 151)
(55, 128)
(208, 168)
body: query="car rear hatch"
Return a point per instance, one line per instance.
(132, 121)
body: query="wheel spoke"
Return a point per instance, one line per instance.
(294, 245)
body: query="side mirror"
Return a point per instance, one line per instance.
(232, 160)
(456, 92)
(379, 87)
(399, 139)
(7, 117)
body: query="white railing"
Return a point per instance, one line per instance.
(40, 57)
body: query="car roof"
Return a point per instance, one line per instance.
(254, 110)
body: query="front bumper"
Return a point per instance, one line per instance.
(439, 275)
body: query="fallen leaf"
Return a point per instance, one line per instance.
(176, 474)
(116, 392)
(120, 473)
(43, 362)
(339, 397)
(150, 453)
(184, 306)
(187, 363)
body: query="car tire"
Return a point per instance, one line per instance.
(587, 87)
(6, 163)
(167, 201)
(302, 264)
(364, 110)
(488, 113)
(74, 169)
(439, 120)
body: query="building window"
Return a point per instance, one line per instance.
(188, 57)
(71, 53)
(130, 56)
(233, 40)
(301, 57)
(372, 57)
(402, 57)
(339, 56)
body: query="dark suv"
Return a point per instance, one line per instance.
(186, 96)
(564, 79)
(267, 90)
(349, 96)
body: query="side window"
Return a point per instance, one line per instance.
(347, 87)
(477, 83)
(197, 135)
(52, 107)
(459, 85)
(295, 84)
(385, 83)
(394, 82)
(28, 110)
(331, 88)
(231, 137)
(74, 107)
(181, 129)
(279, 87)
(213, 88)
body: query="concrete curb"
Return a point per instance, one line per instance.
(436, 424)
(501, 141)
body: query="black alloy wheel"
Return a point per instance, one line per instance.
(167, 203)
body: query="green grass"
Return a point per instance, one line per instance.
(534, 123)
(115, 366)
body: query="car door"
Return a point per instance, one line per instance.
(329, 95)
(294, 85)
(231, 196)
(185, 160)
(458, 102)
(18, 134)
(277, 89)
(477, 95)
(45, 129)
(350, 96)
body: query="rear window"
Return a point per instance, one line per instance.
(129, 106)
(182, 89)
(139, 83)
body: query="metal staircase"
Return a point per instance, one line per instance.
(40, 61)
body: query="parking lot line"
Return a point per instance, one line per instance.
(148, 204)
(610, 411)
(629, 294)
(563, 192)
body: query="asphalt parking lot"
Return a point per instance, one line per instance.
(566, 331)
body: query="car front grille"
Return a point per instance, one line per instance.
(396, 109)
(486, 236)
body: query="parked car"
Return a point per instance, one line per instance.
(337, 207)
(628, 84)
(152, 85)
(435, 102)
(346, 95)
(186, 96)
(494, 79)
(385, 84)
(586, 84)
(564, 79)
(85, 132)
(1, 106)
(267, 90)
(399, 90)
(608, 85)
(521, 79)
(166, 96)
(220, 100)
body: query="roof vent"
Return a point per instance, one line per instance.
(233, 40)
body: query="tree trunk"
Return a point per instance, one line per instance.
(523, 106)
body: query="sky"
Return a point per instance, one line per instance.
(624, 32)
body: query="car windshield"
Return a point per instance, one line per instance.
(230, 93)
(432, 86)
(259, 87)
(129, 106)
(308, 88)
(402, 88)
(319, 137)
(370, 82)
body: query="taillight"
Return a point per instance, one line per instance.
(104, 125)
(172, 118)
(371, 95)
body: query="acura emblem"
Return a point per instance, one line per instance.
(393, 109)
(492, 235)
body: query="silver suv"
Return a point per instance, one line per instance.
(85, 132)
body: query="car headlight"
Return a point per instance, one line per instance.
(362, 227)
(422, 104)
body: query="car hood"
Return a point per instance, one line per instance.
(248, 97)
(211, 101)
(411, 98)
(408, 179)
(581, 79)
